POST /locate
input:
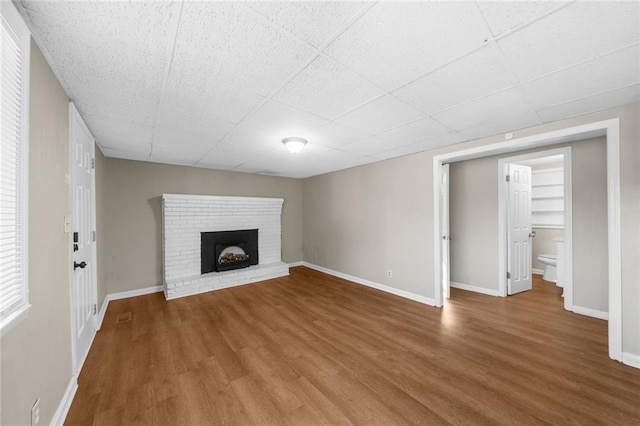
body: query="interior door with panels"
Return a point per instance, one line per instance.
(83, 283)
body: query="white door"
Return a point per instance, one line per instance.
(444, 233)
(83, 284)
(519, 228)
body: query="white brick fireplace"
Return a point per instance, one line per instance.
(184, 217)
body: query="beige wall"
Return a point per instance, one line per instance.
(353, 197)
(36, 354)
(543, 244)
(473, 216)
(133, 214)
(101, 224)
(365, 220)
(474, 223)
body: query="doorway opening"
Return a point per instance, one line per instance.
(610, 129)
(535, 221)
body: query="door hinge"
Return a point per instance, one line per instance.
(95, 309)
(93, 236)
(508, 275)
(93, 163)
(508, 178)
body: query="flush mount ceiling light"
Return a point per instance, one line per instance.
(294, 145)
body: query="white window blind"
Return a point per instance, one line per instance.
(14, 80)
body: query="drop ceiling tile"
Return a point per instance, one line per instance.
(425, 145)
(274, 121)
(177, 129)
(578, 32)
(335, 156)
(484, 111)
(133, 152)
(311, 151)
(191, 89)
(416, 131)
(334, 135)
(619, 69)
(399, 151)
(503, 17)
(442, 141)
(394, 42)
(502, 125)
(275, 164)
(141, 26)
(313, 21)
(327, 89)
(381, 114)
(175, 155)
(368, 146)
(614, 98)
(359, 161)
(225, 156)
(237, 47)
(99, 69)
(119, 134)
(477, 74)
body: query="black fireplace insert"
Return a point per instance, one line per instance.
(227, 250)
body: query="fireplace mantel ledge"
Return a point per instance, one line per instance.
(248, 200)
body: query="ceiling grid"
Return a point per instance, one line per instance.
(220, 84)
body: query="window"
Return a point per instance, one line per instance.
(14, 89)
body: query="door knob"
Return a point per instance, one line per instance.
(532, 233)
(80, 265)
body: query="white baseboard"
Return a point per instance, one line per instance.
(103, 310)
(134, 293)
(294, 264)
(387, 289)
(65, 403)
(537, 271)
(630, 359)
(590, 312)
(475, 289)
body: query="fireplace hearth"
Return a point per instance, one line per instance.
(228, 250)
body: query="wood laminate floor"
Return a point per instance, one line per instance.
(313, 349)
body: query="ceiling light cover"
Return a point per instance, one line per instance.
(294, 145)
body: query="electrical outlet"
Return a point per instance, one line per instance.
(389, 273)
(35, 413)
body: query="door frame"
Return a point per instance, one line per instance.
(608, 128)
(503, 252)
(76, 120)
(445, 233)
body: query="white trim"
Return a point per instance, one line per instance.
(102, 312)
(65, 403)
(590, 312)
(610, 128)
(294, 264)
(14, 319)
(134, 293)
(551, 170)
(630, 359)
(387, 289)
(537, 271)
(615, 244)
(252, 200)
(475, 289)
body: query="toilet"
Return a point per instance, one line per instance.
(550, 262)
